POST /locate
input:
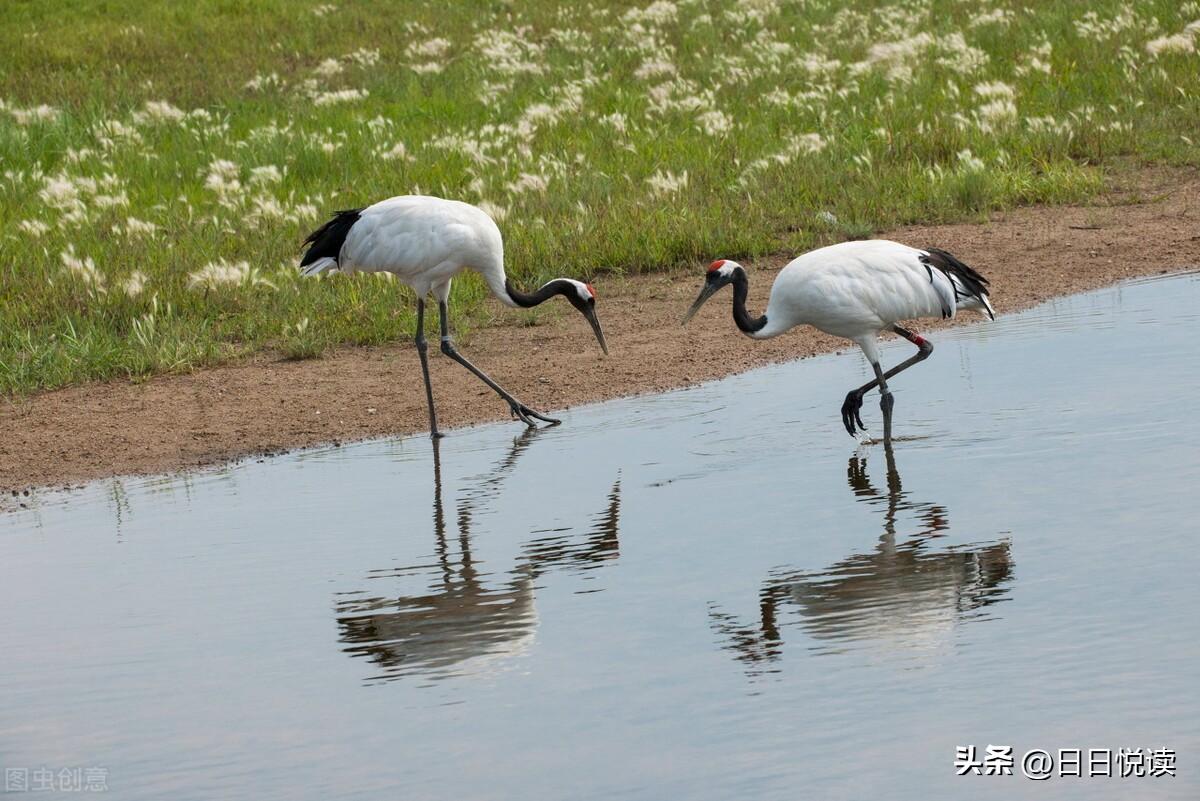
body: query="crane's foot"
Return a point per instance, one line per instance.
(435, 434)
(527, 415)
(851, 412)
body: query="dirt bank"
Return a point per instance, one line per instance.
(1146, 225)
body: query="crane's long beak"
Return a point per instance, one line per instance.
(705, 294)
(590, 314)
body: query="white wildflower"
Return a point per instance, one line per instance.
(528, 182)
(1001, 110)
(434, 48)
(667, 183)
(305, 211)
(1177, 43)
(994, 89)
(616, 121)
(135, 227)
(1092, 26)
(497, 213)
(955, 54)
(1048, 124)
(818, 65)
(84, 269)
(134, 284)
(266, 174)
(42, 113)
(897, 52)
(397, 151)
(364, 57)
(797, 145)
(62, 192)
(658, 13)
(572, 40)
(34, 228)
(260, 82)
(79, 155)
(110, 201)
(160, 111)
(111, 133)
(1033, 64)
(222, 178)
(339, 96)
(328, 68)
(808, 143)
(997, 16)
(511, 52)
(267, 207)
(969, 162)
(378, 124)
(680, 94)
(324, 9)
(218, 273)
(654, 69)
(715, 123)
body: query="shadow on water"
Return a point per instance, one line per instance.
(467, 622)
(904, 594)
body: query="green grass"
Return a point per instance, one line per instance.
(795, 123)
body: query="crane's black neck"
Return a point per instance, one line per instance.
(741, 290)
(527, 300)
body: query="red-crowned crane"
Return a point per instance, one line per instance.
(857, 290)
(425, 242)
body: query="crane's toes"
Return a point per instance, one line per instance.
(852, 413)
(548, 420)
(518, 412)
(527, 415)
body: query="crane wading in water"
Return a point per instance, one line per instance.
(857, 290)
(425, 242)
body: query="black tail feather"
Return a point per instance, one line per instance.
(974, 283)
(327, 240)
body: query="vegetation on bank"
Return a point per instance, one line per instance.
(162, 161)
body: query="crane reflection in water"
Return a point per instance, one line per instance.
(904, 594)
(469, 620)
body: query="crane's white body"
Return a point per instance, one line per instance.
(856, 290)
(425, 242)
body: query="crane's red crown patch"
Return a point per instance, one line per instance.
(591, 289)
(716, 265)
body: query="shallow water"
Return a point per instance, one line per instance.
(711, 593)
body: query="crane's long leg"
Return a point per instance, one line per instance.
(886, 402)
(853, 404)
(422, 349)
(519, 409)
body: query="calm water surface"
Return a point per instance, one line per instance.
(712, 593)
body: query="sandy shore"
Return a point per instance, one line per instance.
(1147, 225)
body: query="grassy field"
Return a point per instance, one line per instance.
(162, 161)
